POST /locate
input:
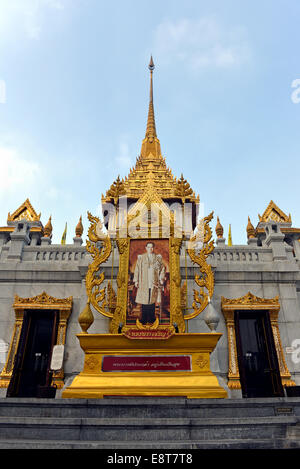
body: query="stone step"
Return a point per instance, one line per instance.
(144, 429)
(146, 423)
(152, 445)
(149, 407)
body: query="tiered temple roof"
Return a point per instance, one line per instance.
(168, 187)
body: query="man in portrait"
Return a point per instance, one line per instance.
(149, 276)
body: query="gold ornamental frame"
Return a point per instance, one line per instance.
(176, 315)
(99, 245)
(252, 302)
(43, 302)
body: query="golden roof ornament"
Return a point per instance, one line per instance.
(116, 190)
(183, 189)
(250, 229)
(79, 228)
(48, 229)
(25, 211)
(151, 128)
(219, 229)
(274, 213)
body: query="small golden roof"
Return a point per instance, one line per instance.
(25, 211)
(274, 213)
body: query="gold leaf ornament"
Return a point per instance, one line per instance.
(99, 246)
(199, 248)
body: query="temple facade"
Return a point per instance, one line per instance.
(248, 294)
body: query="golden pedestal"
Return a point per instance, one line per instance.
(196, 381)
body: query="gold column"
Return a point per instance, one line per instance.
(284, 371)
(233, 367)
(58, 376)
(6, 373)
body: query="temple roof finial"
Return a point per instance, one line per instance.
(151, 65)
(151, 129)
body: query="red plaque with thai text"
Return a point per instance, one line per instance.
(146, 363)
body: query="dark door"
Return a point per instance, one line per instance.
(32, 364)
(257, 358)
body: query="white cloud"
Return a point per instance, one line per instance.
(25, 17)
(16, 173)
(201, 43)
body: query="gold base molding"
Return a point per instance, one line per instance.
(197, 382)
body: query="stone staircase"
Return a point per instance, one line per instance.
(150, 423)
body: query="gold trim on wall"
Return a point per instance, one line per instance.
(252, 302)
(43, 302)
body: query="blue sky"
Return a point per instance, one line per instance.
(73, 114)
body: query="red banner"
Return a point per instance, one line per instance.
(146, 363)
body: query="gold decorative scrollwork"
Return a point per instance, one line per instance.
(148, 326)
(206, 278)
(202, 361)
(99, 246)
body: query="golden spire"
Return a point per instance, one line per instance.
(48, 229)
(150, 168)
(229, 236)
(151, 129)
(79, 228)
(151, 145)
(250, 229)
(219, 229)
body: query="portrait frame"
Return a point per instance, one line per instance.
(176, 321)
(139, 296)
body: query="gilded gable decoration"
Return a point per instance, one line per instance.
(274, 213)
(25, 211)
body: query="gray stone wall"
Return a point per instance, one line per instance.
(29, 266)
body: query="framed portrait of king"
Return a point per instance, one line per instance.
(149, 281)
(148, 297)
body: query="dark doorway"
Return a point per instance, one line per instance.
(257, 358)
(31, 372)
